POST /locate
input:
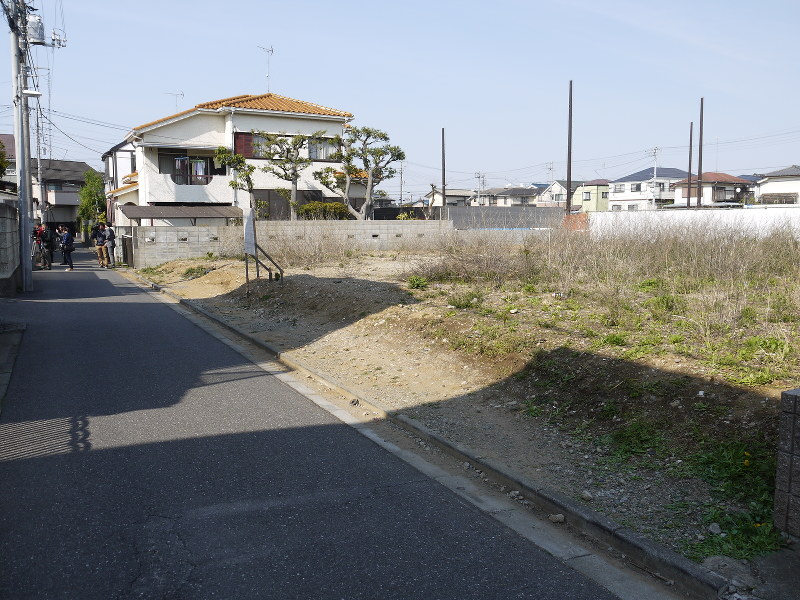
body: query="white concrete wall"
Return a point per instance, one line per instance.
(780, 186)
(243, 121)
(754, 220)
(198, 130)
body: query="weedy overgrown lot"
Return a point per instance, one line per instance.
(665, 350)
(669, 347)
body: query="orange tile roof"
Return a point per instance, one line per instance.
(270, 102)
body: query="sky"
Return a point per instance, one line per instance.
(495, 76)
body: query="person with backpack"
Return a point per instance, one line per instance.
(111, 244)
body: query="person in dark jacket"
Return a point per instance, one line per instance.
(67, 247)
(111, 244)
(100, 245)
(48, 242)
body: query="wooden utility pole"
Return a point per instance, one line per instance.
(443, 214)
(700, 159)
(689, 181)
(569, 153)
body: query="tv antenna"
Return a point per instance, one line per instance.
(176, 95)
(269, 52)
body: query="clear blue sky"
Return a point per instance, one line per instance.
(494, 75)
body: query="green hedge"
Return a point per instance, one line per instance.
(323, 210)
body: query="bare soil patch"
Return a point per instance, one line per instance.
(517, 377)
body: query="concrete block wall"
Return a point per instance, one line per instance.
(787, 480)
(157, 245)
(9, 250)
(366, 235)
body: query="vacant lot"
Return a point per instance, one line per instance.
(641, 374)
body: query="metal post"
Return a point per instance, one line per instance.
(700, 160)
(569, 154)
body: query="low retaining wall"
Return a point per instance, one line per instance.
(9, 251)
(787, 480)
(153, 246)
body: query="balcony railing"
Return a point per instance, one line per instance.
(191, 179)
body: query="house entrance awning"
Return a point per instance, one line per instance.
(177, 211)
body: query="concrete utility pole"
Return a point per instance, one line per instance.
(17, 14)
(689, 180)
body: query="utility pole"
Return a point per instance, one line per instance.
(443, 214)
(17, 14)
(653, 184)
(689, 180)
(700, 160)
(569, 154)
(481, 177)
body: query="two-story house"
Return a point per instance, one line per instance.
(591, 196)
(170, 161)
(555, 195)
(644, 190)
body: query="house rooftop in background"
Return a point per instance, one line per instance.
(63, 170)
(257, 103)
(710, 177)
(595, 182)
(793, 171)
(647, 174)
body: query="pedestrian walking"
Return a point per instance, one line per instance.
(67, 247)
(48, 239)
(111, 245)
(100, 245)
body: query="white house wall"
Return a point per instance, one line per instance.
(245, 122)
(780, 186)
(199, 130)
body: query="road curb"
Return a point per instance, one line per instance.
(669, 566)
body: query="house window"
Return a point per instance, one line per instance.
(321, 149)
(587, 196)
(558, 197)
(187, 170)
(616, 208)
(633, 207)
(604, 195)
(619, 188)
(636, 187)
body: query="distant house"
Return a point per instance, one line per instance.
(555, 194)
(644, 190)
(507, 196)
(779, 187)
(455, 197)
(591, 196)
(718, 189)
(170, 161)
(55, 193)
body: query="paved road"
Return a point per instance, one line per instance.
(142, 458)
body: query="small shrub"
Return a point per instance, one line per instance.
(415, 282)
(467, 299)
(614, 339)
(195, 272)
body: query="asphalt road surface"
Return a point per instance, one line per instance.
(140, 457)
